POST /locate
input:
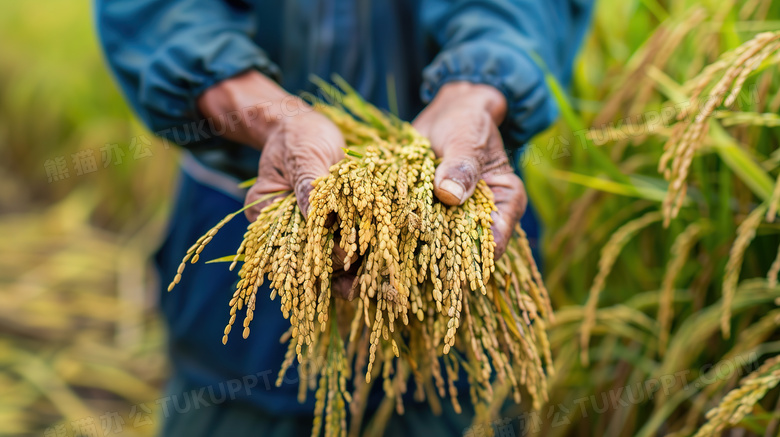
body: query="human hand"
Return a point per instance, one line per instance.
(462, 125)
(301, 149)
(298, 145)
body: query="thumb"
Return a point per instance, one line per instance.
(271, 177)
(462, 148)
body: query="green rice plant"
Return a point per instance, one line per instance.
(739, 402)
(695, 98)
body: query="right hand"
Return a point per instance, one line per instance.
(300, 148)
(298, 145)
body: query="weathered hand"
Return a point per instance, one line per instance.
(303, 148)
(298, 145)
(461, 123)
(299, 149)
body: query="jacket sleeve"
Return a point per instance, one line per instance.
(498, 42)
(165, 53)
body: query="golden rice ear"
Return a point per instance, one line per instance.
(724, 79)
(740, 401)
(609, 254)
(745, 234)
(680, 251)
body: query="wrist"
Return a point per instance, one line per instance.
(248, 108)
(475, 95)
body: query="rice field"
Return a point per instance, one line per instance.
(658, 190)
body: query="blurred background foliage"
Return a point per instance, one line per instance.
(81, 345)
(595, 181)
(80, 342)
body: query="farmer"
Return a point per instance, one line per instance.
(218, 77)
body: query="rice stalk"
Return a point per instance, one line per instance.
(774, 202)
(739, 402)
(681, 248)
(745, 234)
(732, 118)
(774, 270)
(609, 254)
(725, 79)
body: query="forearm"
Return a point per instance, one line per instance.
(166, 53)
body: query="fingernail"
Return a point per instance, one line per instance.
(453, 189)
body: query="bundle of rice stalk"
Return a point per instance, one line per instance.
(430, 298)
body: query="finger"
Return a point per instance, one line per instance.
(271, 177)
(462, 147)
(310, 154)
(339, 256)
(511, 202)
(344, 286)
(423, 122)
(260, 190)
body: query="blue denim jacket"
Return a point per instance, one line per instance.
(165, 53)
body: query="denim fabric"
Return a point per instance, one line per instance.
(165, 53)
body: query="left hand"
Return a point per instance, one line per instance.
(462, 125)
